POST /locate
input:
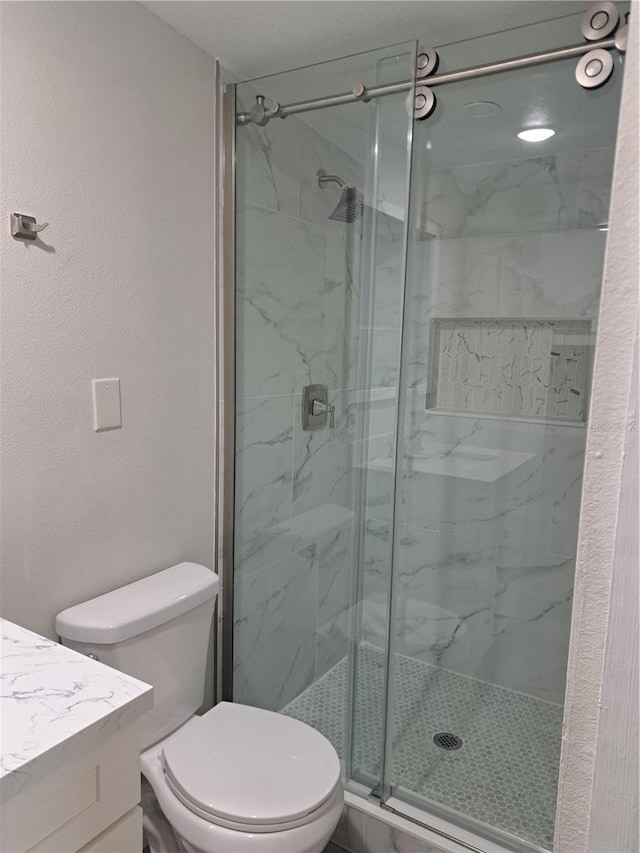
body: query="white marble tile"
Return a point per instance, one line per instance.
(322, 468)
(267, 168)
(595, 187)
(55, 703)
(376, 558)
(388, 286)
(444, 598)
(280, 303)
(332, 640)
(342, 309)
(264, 477)
(514, 510)
(274, 622)
(334, 577)
(518, 275)
(531, 622)
(452, 505)
(466, 277)
(534, 194)
(564, 491)
(349, 833)
(417, 371)
(570, 275)
(384, 352)
(380, 837)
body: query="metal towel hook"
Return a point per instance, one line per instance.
(24, 227)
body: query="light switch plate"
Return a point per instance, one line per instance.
(106, 404)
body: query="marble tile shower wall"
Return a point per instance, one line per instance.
(296, 311)
(486, 563)
(486, 567)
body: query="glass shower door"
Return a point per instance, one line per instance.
(504, 274)
(320, 248)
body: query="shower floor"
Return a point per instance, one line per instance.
(505, 775)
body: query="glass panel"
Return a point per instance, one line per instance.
(318, 304)
(505, 267)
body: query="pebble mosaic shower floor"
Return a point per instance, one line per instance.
(505, 775)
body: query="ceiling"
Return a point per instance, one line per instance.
(253, 38)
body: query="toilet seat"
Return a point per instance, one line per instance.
(250, 770)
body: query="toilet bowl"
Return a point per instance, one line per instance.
(277, 786)
(236, 779)
(264, 799)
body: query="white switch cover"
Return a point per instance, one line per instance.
(106, 404)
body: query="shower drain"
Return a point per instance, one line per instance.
(448, 740)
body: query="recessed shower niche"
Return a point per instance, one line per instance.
(525, 368)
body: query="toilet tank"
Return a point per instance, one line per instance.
(159, 630)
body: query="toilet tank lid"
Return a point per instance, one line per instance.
(139, 606)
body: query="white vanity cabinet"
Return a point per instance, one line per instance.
(70, 758)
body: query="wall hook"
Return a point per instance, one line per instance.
(24, 227)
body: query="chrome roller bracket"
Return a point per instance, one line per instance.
(424, 104)
(360, 92)
(622, 36)
(599, 21)
(426, 62)
(594, 68)
(263, 110)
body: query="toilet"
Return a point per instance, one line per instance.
(236, 779)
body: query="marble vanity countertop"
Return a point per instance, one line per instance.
(54, 704)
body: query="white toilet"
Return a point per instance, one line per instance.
(235, 780)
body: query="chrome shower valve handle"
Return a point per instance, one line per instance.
(320, 408)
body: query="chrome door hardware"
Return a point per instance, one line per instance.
(425, 102)
(599, 21)
(594, 69)
(426, 62)
(24, 227)
(263, 110)
(316, 409)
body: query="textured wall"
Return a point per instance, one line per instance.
(107, 132)
(598, 797)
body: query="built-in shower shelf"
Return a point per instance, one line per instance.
(464, 462)
(535, 369)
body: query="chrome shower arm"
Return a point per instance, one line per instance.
(323, 178)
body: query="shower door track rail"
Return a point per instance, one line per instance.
(361, 93)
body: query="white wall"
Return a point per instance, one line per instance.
(107, 133)
(598, 797)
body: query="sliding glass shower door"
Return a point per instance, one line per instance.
(321, 232)
(504, 274)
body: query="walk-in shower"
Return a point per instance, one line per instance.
(402, 576)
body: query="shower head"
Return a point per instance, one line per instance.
(350, 207)
(351, 204)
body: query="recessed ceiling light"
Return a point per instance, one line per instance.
(482, 109)
(536, 134)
